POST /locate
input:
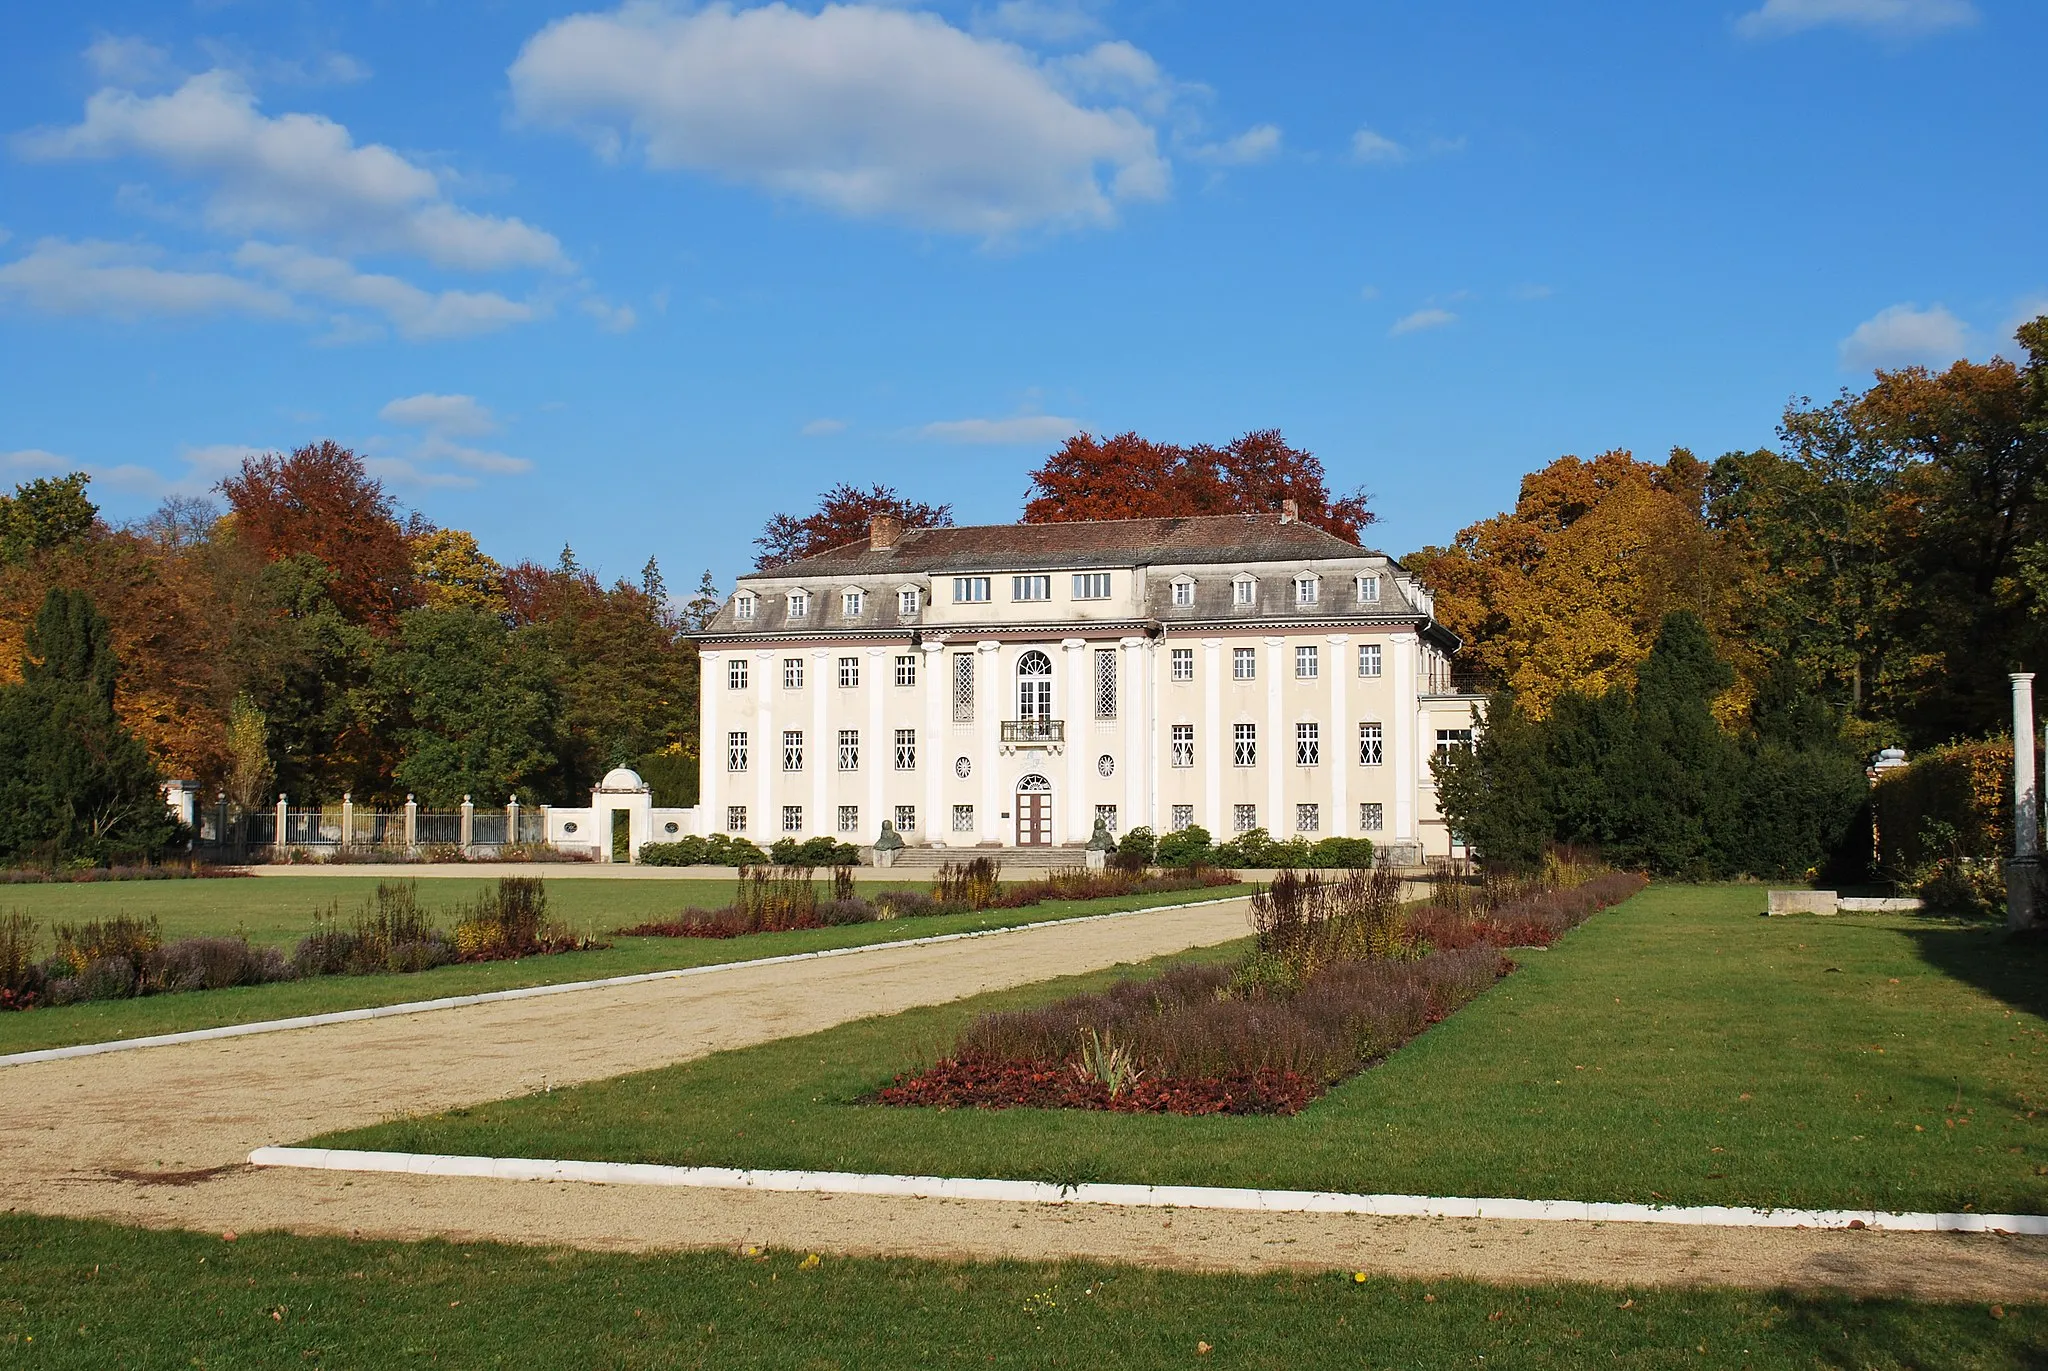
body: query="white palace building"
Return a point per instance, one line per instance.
(1007, 686)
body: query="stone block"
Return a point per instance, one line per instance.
(1802, 902)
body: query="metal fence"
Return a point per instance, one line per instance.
(222, 835)
(437, 828)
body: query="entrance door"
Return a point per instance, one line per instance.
(1034, 812)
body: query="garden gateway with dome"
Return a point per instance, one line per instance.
(1010, 685)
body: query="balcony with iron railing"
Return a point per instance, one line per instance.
(1046, 733)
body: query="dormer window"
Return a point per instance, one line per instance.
(906, 602)
(1305, 588)
(1183, 593)
(1368, 590)
(850, 604)
(799, 604)
(1244, 592)
(743, 606)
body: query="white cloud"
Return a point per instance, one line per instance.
(203, 467)
(867, 111)
(2025, 311)
(296, 174)
(30, 462)
(823, 428)
(1045, 21)
(60, 277)
(1532, 291)
(1891, 18)
(129, 61)
(1904, 335)
(1020, 428)
(415, 313)
(1367, 146)
(610, 317)
(459, 415)
(1257, 144)
(1420, 320)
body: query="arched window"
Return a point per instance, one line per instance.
(1034, 686)
(1034, 784)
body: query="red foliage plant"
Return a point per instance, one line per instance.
(993, 1083)
(320, 501)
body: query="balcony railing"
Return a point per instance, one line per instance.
(1035, 732)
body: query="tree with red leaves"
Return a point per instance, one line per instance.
(321, 502)
(1130, 477)
(842, 517)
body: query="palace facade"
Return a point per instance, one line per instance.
(1009, 685)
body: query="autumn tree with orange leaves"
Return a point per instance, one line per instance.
(320, 502)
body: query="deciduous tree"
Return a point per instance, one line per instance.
(320, 502)
(842, 517)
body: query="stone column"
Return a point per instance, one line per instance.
(512, 819)
(1210, 742)
(2024, 895)
(1405, 746)
(284, 810)
(468, 834)
(934, 751)
(995, 699)
(348, 820)
(412, 825)
(1276, 746)
(1335, 736)
(1073, 701)
(821, 748)
(712, 685)
(1133, 732)
(877, 746)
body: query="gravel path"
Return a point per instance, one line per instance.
(159, 1137)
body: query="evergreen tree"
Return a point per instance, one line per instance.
(703, 606)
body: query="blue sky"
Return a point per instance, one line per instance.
(634, 278)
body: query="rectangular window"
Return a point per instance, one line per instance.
(1244, 664)
(1105, 685)
(849, 818)
(1244, 592)
(1308, 818)
(743, 607)
(1183, 660)
(792, 673)
(1106, 816)
(735, 818)
(1305, 588)
(970, 590)
(1372, 750)
(736, 674)
(906, 818)
(963, 688)
(1244, 745)
(1308, 664)
(1183, 594)
(799, 604)
(849, 671)
(792, 749)
(1308, 744)
(1244, 818)
(1031, 587)
(1183, 817)
(963, 818)
(735, 752)
(792, 818)
(1368, 659)
(850, 604)
(1183, 744)
(1368, 590)
(906, 749)
(849, 749)
(906, 603)
(906, 671)
(1372, 816)
(1091, 585)
(1449, 740)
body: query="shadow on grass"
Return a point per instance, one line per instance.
(2013, 969)
(1837, 1330)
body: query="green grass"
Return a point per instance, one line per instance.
(76, 1294)
(108, 1020)
(1676, 1048)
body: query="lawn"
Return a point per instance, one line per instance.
(93, 1295)
(1677, 1048)
(107, 1020)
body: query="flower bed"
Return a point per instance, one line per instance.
(1340, 977)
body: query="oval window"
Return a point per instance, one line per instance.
(569, 828)
(963, 768)
(1106, 764)
(671, 828)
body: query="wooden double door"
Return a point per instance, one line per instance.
(1034, 819)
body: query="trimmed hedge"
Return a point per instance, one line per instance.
(1952, 801)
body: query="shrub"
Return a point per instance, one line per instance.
(1341, 852)
(213, 964)
(390, 933)
(1135, 850)
(131, 940)
(973, 884)
(682, 852)
(1950, 802)
(1190, 846)
(511, 920)
(812, 852)
(20, 978)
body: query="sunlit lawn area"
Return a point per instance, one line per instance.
(594, 904)
(1676, 1048)
(93, 1295)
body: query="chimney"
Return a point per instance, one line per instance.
(1289, 511)
(883, 531)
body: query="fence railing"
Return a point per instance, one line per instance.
(221, 833)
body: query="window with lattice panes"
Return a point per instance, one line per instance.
(736, 674)
(735, 818)
(1372, 745)
(963, 818)
(1244, 592)
(849, 749)
(792, 818)
(1368, 590)
(792, 673)
(1183, 817)
(1308, 744)
(906, 749)
(1106, 816)
(963, 687)
(1105, 685)
(970, 590)
(1091, 585)
(849, 818)
(792, 749)
(1308, 818)
(1181, 663)
(1183, 594)
(1368, 659)
(736, 751)
(1372, 816)
(1244, 745)
(1031, 587)
(1244, 818)
(851, 603)
(1306, 589)
(1244, 664)
(906, 670)
(849, 671)
(1183, 744)
(1308, 662)
(907, 603)
(744, 606)
(799, 605)
(906, 818)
